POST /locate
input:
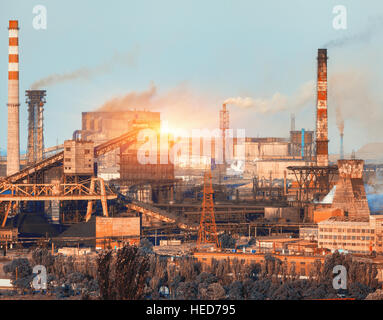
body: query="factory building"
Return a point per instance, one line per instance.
(104, 232)
(78, 157)
(356, 235)
(123, 163)
(301, 265)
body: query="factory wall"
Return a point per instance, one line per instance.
(263, 168)
(108, 229)
(289, 214)
(262, 150)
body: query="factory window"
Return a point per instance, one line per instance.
(339, 230)
(334, 237)
(361, 238)
(372, 231)
(367, 238)
(372, 238)
(357, 230)
(321, 229)
(353, 238)
(67, 149)
(67, 159)
(353, 230)
(363, 230)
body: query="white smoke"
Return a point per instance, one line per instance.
(84, 73)
(278, 102)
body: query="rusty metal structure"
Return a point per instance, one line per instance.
(207, 233)
(311, 184)
(35, 101)
(92, 190)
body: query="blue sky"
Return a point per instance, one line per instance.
(216, 49)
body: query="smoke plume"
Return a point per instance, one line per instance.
(86, 73)
(374, 26)
(278, 102)
(131, 100)
(351, 93)
(339, 119)
(179, 106)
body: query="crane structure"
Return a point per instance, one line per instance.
(207, 233)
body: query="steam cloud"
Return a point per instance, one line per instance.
(86, 72)
(278, 102)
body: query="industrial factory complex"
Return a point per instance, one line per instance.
(121, 178)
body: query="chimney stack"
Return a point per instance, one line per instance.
(292, 123)
(224, 125)
(341, 147)
(321, 120)
(13, 143)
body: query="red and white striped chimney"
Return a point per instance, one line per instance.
(321, 120)
(13, 144)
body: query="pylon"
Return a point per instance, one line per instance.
(207, 233)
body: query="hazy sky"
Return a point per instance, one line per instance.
(200, 52)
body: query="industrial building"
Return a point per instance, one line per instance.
(99, 190)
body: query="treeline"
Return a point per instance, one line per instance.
(138, 273)
(226, 279)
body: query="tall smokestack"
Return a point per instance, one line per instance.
(224, 125)
(341, 147)
(13, 143)
(321, 121)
